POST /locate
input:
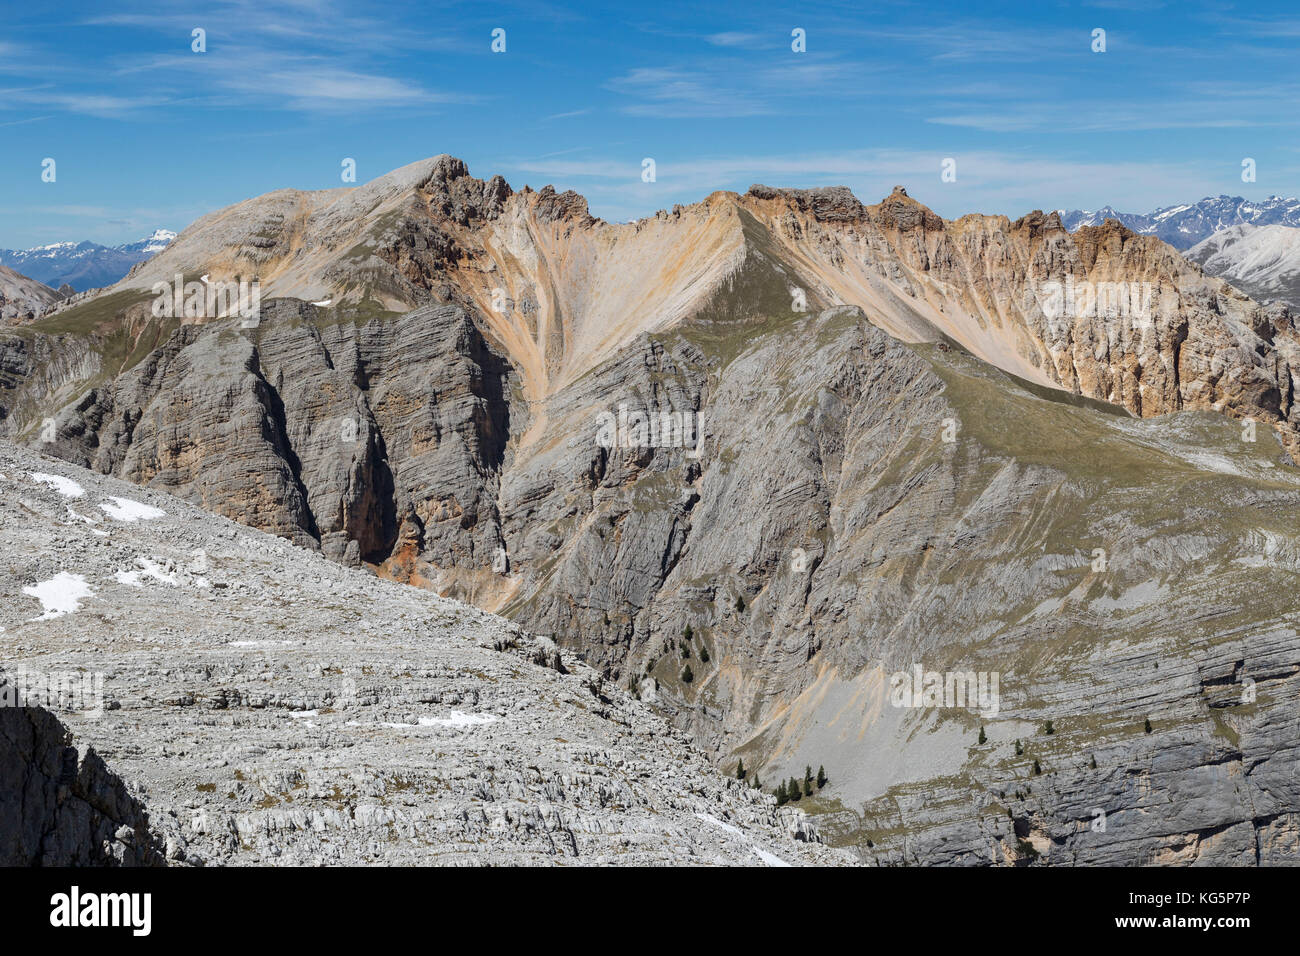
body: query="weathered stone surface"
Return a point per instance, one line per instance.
(271, 707)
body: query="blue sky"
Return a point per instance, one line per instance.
(147, 133)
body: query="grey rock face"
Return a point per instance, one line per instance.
(60, 806)
(271, 707)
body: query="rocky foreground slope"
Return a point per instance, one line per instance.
(264, 705)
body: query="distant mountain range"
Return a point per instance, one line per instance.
(83, 265)
(1186, 225)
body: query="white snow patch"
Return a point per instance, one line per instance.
(148, 569)
(769, 859)
(64, 486)
(459, 719)
(59, 595)
(734, 831)
(300, 714)
(124, 509)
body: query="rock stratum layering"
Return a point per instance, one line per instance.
(906, 456)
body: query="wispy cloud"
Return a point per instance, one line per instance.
(314, 87)
(566, 115)
(736, 39)
(988, 181)
(85, 103)
(737, 88)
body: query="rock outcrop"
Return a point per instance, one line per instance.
(60, 806)
(23, 299)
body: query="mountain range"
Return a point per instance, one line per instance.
(754, 458)
(1185, 225)
(83, 265)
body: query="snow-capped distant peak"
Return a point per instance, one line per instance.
(158, 241)
(84, 265)
(1186, 224)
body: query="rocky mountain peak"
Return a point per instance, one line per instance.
(451, 191)
(900, 211)
(824, 204)
(1037, 224)
(551, 206)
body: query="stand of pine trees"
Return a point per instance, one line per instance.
(796, 789)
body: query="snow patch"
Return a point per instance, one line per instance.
(59, 595)
(64, 486)
(77, 516)
(148, 569)
(769, 859)
(459, 719)
(124, 509)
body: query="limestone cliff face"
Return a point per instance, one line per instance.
(782, 420)
(329, 434)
